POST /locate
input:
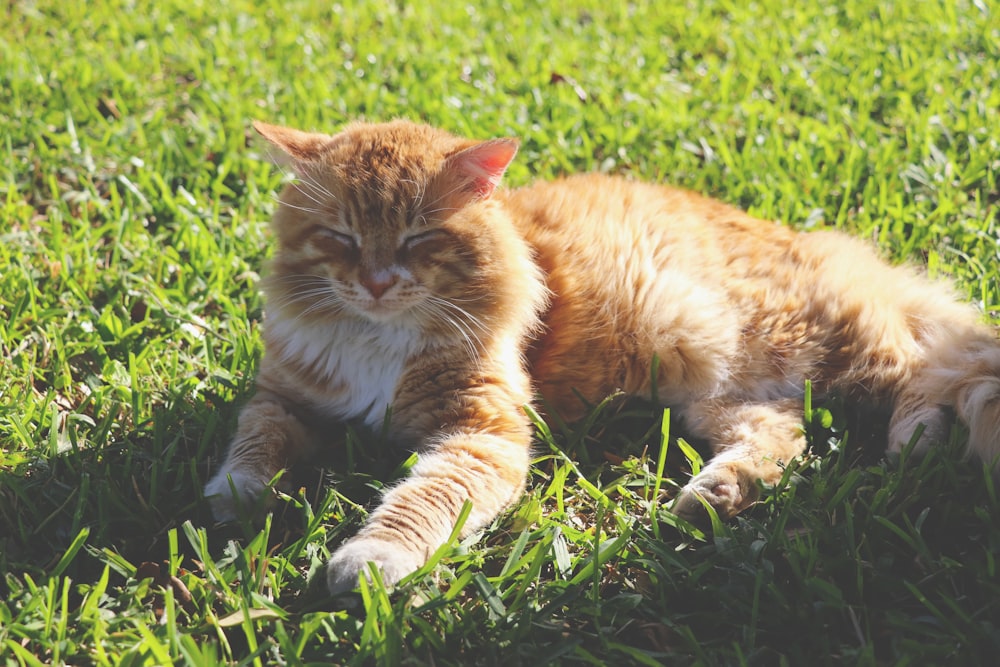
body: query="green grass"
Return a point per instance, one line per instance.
(134, 208)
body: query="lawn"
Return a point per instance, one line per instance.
(132, 235)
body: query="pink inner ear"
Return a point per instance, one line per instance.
(484, 164)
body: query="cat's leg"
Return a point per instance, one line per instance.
(417, 516)
(750, 442)
(268, 439)
(916, 413)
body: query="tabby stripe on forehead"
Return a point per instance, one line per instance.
(362, 211)
(352, 209)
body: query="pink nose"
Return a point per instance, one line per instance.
(378, 282)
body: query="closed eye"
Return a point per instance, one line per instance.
(339, 237)
(414, 240)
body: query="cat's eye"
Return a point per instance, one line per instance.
(339, 237)
(414, 240)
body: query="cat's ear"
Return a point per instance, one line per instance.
(296, 144)
(483, 165)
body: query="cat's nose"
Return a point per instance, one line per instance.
(378, 282)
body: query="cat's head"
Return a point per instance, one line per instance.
(392, 222)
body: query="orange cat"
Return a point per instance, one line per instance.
(404, 278)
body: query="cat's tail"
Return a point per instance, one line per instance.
(962, 374)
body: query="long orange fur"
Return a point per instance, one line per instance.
(403, 277)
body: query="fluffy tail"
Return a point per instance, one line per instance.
(972, 388)
(962, 374)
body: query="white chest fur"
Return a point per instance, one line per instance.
(360, 361)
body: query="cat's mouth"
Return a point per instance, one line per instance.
(383, 309)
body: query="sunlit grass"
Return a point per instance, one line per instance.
(133, 225)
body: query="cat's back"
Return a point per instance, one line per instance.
(607, 235)
(631, 265)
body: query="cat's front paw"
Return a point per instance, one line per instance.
(350, 562)
(722, 488)
(227, 499)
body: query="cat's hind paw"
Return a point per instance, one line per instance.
(350, 562)
(227, 498)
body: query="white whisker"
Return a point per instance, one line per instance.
(467, 325)
(418, 198)
(315, 292)
(468, 338)
(440, 197)
(438, 210)
(463, 312)
(317, 188)
(300, 208)
(312, 191)
(310, 188)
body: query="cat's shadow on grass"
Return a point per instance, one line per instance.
(128, 493)
(131, 492)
